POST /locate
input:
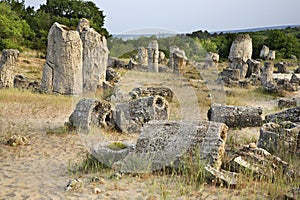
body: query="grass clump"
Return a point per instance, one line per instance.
(117, 146)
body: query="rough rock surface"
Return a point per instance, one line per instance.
(254, 67)
(272, 55)
(116, 63)
(165, 143)
(264, 52)
(167, 93)
(62, 72)
(292, 114)
(235, 116)
(142, 56)
(287, 103)
(112, 75)
(91, 112)
(240, 52)
(260, 162)
(95, 56)
(281, 67)
(211, 59)
(153, 56)
(233, 74)
(7, 65)
(267, 74)
(179, 61)
(283, 137)
(295, 79)
(131, 116)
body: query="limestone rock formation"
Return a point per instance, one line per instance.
(116, 63)
(283, 137)
(76, 60)
(7, 65)
(292, 114)
(211, 59)
(91, 112)
(165, 143)
(264, 52)
(240, 52)
(235, 116)
(164, 92)
(153, 56)
(281, 67)
(112, 75)
(95, 56)
(179, 61)
(287, 103)
(254, 67)
(142, 56)
(272, 55)
(267, 74)
(62, 72)
(131, 116)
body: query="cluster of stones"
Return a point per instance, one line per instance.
(267, 54)
(243, 71)
(76, 60)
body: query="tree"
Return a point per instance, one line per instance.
(14, 32)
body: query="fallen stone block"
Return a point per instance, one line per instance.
(292, 114)
(287, 103)
(259, 163)
(166, 143)
(235, 116)
(230, 178)
(167, 93)
(131, 116)
(233, 74)
(91, 112)
(110, 152)
(283, 137)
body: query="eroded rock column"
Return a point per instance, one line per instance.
(7, 65)
(153, 56)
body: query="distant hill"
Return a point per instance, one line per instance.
(257, 29)
(136, 36)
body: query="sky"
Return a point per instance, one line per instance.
(123, 16)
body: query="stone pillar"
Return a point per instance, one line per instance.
(62, 72)
(153, 56)
(267, 73)
(142, 56)
(264, 52)
(272, 55)
(95, 56)
(172, 50)
(7, 65)
(179, 61)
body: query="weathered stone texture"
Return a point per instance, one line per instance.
(211, 59)
(292, 114)
(131, 116)
(7, 66)
(254, 67)
(91, 112)
(283, 137)
(165, 143)
(267, 73)
(95, 56)
(264, 52)
(63, 69)
(272, 55)
(179, 61)
(233, 74)
(153, 56)
(281, 67)
(142, 56)
(167, 93)
(235, 116)
(287, 103)
(241, 48)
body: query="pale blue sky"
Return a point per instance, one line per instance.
(190, 15)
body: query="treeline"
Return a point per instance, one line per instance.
(285, 42)
(22, 26)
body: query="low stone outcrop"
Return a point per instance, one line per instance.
(281, 67)
(164, 92)
(112, 75)
(131, 116)
(287, 103)
(116, 63)
(235, 116)
(166, 143)
(259, 162)
(22, 82)
(283, 137)
(91, 112)
(292, 114)
(7, 66)
(295, 79)
(233, 74)
(272, 55)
